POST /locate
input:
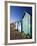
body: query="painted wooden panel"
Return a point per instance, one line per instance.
(26, 23)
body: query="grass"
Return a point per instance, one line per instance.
(14, 34)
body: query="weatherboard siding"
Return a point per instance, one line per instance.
(26, 23)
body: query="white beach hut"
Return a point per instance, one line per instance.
(24, 25)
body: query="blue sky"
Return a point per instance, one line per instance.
(16, 12)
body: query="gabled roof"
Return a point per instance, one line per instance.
(25, 14)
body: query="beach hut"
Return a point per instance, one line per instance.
(24, 25)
